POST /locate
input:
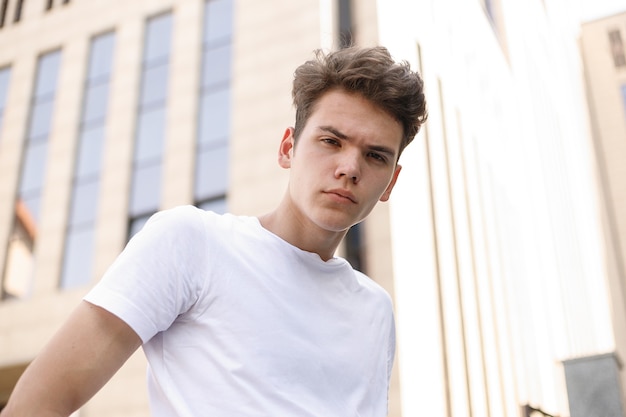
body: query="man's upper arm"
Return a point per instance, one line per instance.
(82, 356)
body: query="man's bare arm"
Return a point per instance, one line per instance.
(82, 356)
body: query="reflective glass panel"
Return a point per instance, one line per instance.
(214, 118)
(218, 16)
(78, 258)
(150, 134)
(101, 56)
(146, 191)
(211, 173)
(158, 35)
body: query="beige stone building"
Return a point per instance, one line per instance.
(492, 246)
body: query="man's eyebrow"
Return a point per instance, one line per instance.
(377, 148)
(334, 131)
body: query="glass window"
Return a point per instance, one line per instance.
(84, 203)
(47, 74)
(218, 18)
(158, 34)
(146, 190)
(80, 234)
(150, 135)
(40, 119)
(89, 160)
(154, 85)
(34, 167)
(4, 88)
(211, 177)
(216, 66)
(214, 117)
(101, 56)
(78, 257)
(218, 206)
(137, 224)
(95, 103)
(211, 173)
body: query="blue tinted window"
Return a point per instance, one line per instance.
(79, 245)
(47, 74)
(34, 167)
(4, 88)
(218, 18)
(101, 56)
(158, 38)
(154, 85)
(40, 119)
(218, 206)
(214, 117)
(211, 177)
(4, 85)
(150, 135)
(211, 173)
(146, 191)
(84, 203)
(78, 257)
(89, 160)
(150, 131)
(96, 103)
(216, 65)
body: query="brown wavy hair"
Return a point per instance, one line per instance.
(371, 72)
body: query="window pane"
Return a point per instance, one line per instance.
(101, 56)
(150, 133)
(211, 173)
(214, 123)
(34, 167)
(154, 85)
(32, 202)
(218, 17)
(4, 86)
(90, 152)
(77, 263)
(146, 191)
(84, 203)
(216, 65)
(158, 37)
(137, 224)
(47, 73)
(96, 103)
(218, 206)
(40, 119)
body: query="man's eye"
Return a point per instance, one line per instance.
(330, 141)
(377, 156)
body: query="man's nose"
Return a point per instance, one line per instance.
(349, 165)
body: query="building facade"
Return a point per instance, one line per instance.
(492, 245)
(603, 46)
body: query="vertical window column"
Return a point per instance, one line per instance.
(79, 241)
(5, 73)
(211, 178)
(149, 137)
(18, 271)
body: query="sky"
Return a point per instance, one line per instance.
(593, 9)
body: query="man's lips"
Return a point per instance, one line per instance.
(342, 193)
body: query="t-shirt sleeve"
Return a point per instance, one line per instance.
(159, 275)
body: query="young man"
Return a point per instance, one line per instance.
(245, 316)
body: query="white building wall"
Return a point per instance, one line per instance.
(496, 232)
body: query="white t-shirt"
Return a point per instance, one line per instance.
(237, 322)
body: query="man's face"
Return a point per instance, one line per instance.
(344, 161)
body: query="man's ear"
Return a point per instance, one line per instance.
(285, 151)
(387, 192)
